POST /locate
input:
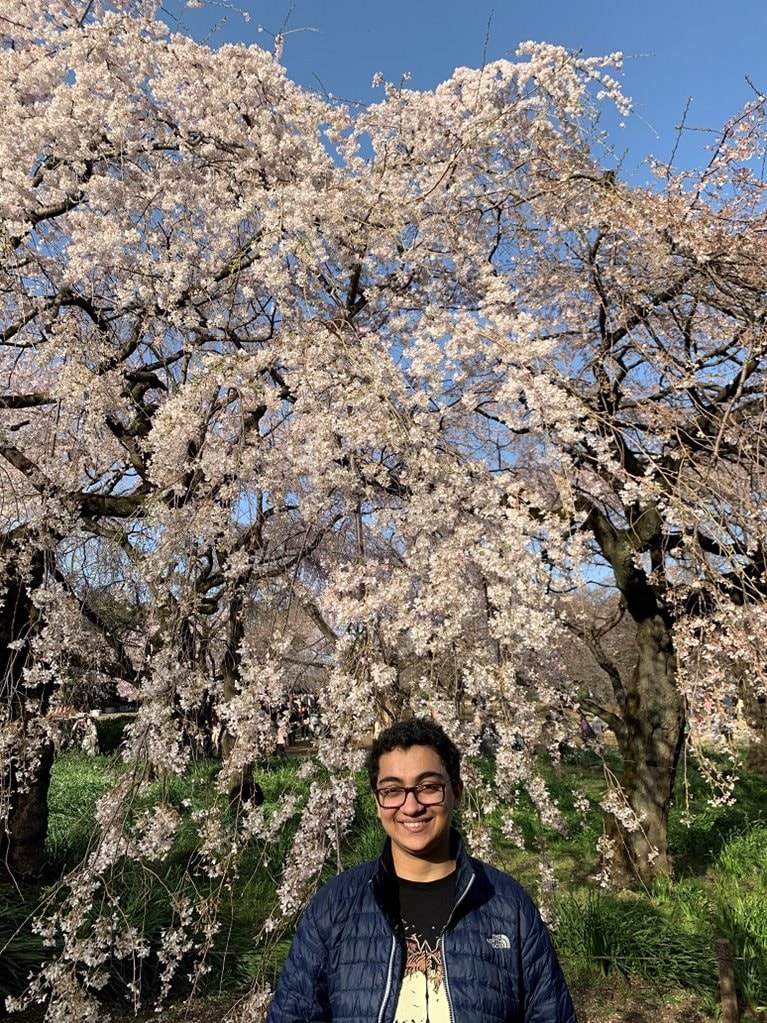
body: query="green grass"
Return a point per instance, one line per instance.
(631, 936)
(77, 783)
(662, 937)
(739, 910)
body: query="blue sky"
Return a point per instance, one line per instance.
(674, 50)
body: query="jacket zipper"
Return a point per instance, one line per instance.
(445, 979)
(389, 978)
(392, 955)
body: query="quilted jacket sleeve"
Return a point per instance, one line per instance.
(301, 995)
(547, 999)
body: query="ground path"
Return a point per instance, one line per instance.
(612, 1003)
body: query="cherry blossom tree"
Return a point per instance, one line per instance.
(665, 480)
(406, 377)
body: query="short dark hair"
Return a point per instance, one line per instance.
(415, 732)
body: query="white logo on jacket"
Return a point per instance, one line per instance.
(499, 941)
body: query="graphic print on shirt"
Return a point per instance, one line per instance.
(422, 997)
(424, 910)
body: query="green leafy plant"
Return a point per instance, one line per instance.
(21, 950)
(631, 937)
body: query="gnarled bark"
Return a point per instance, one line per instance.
(650, 742)
(650, 731)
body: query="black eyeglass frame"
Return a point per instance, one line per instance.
(405, 789)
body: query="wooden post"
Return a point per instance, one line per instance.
(723, 951)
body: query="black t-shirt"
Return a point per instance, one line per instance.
(424, 908)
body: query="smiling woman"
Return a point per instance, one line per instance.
(426, 933)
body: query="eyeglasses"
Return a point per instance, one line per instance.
(428, 793)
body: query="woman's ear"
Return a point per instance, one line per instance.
(457, 791)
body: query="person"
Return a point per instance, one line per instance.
(282, 738)
(90, 740)
(426, 932)
(587, 730)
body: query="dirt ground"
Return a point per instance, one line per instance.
(598, 999)
(608, 1004)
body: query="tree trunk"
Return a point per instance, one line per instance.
(25, 778)
(755, 712)
(650, 741)
(651, 730)
(22, 841)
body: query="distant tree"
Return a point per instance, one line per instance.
(598, 649)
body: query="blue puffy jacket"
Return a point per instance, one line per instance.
(347, 957)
